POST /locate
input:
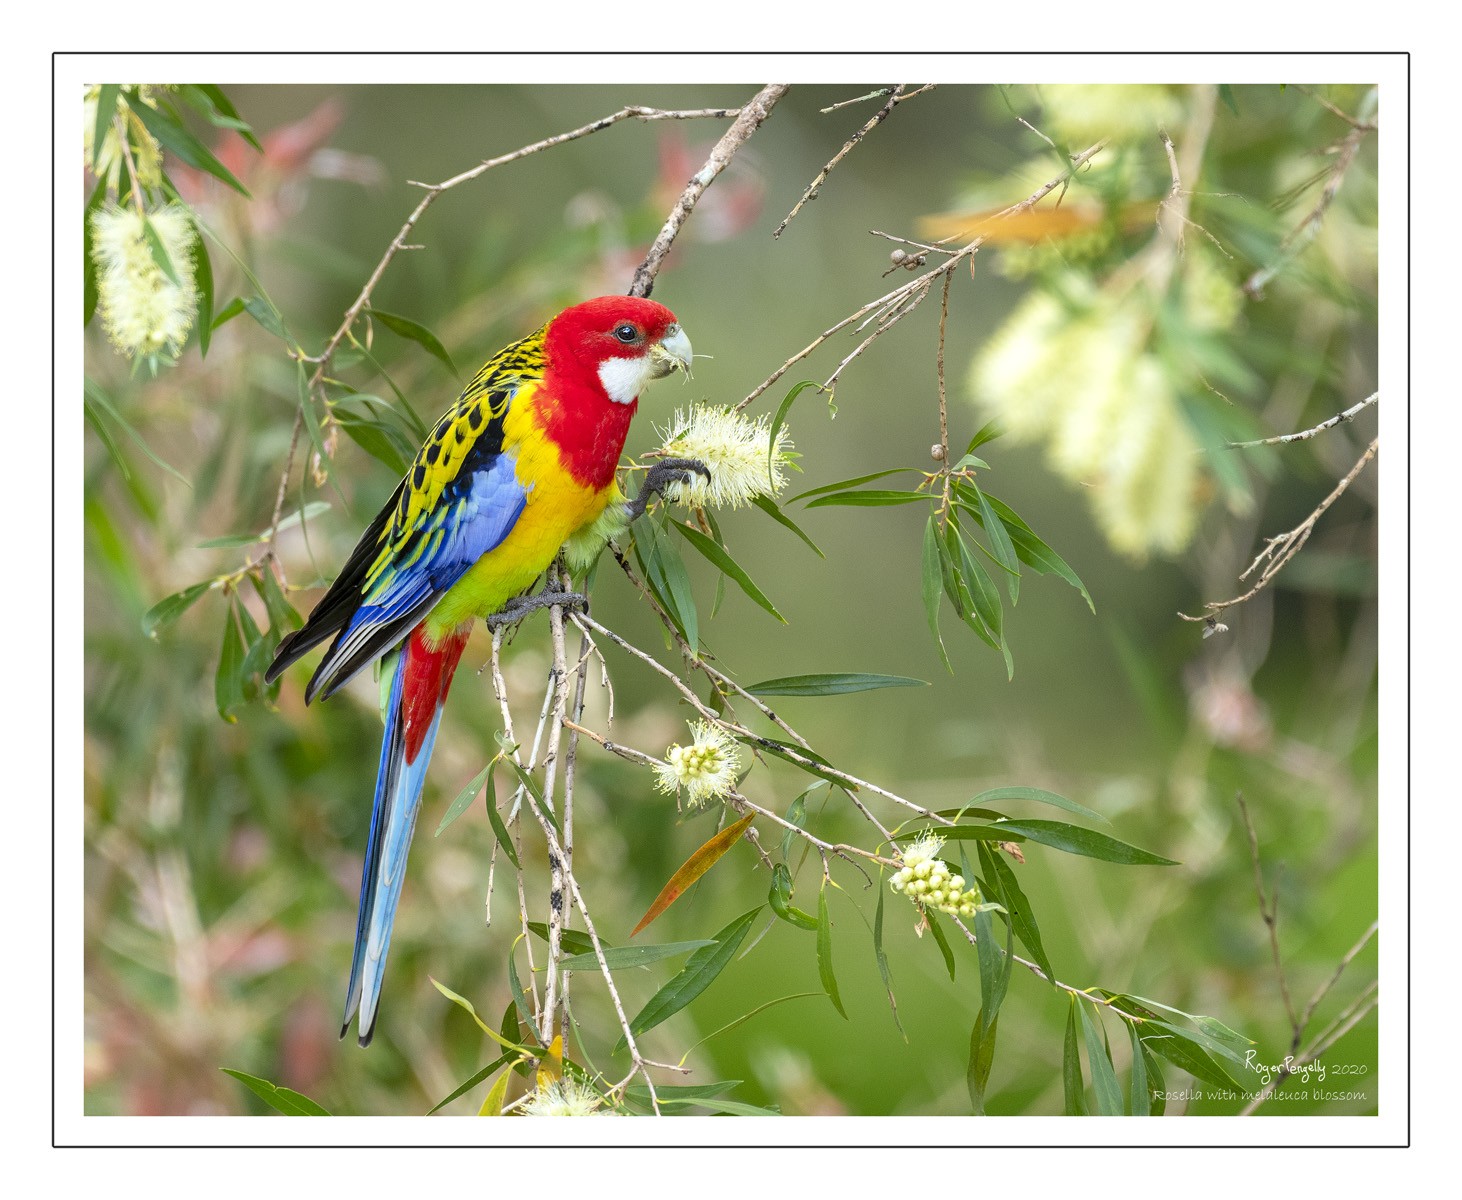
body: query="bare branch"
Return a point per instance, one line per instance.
(1278, 551)
(895, 95)
(748, 121)
(1306, 434)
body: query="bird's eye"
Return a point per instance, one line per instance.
(626, 333)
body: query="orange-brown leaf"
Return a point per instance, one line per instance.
(693, 868)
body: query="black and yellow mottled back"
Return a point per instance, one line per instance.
(413, 525)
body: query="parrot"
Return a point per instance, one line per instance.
(522, 465)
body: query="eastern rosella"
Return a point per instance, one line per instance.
(524, 461)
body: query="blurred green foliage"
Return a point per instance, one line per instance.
(222, 858)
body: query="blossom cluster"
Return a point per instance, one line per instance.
(146, 312)
(706, 769)
(744, 459)
(927, 880)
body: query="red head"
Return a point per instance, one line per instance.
(600, 354)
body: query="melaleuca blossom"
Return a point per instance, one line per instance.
(144, 311)
(927, 880)
(567, 1097)
(744, 460)
(705, 770)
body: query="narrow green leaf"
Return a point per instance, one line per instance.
(746, 1016)
(622, 958)
(106, 109)
(942, 942)
(285, 1100)
(1185, 1053)
(983, 593)
(159, 252)
(780, 418)
(463, 1088)
(282, 614)
(966, 833)
(1075, 840)
(535, 792)
(227, 313)
(994, 964)
(731, 1108)
(697, 975)
(500, 830)
(420, 334)
(796, 815)
(780, 899)
(228, 682)
(982, 1057)
(203, 279)
(933, 585)
(882, 959)
(1040, 796)
(869, 499)
(381, 441)
(831, 684)
(1140, 1097)
(466, 1005)
(177, 140)
(464, 799)
(1226, 94)
(988, 432)
(768, 506)
(88, 263)
(266, 315)
(226, 116)
(1156, 1085)
(573, 941)
(1032, 551)
(168, 610)
(1103, 1075)
(718, 556)
(309, 512)
(1071, 1067)
(705, 857)
(666, 573)
(1000, 544)
(1017, 907)
(683, 1093)
(825, 952)
(103, 403)
(844, 484)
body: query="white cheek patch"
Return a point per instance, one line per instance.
(625, 378)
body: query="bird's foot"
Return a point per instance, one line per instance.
(520, 606)
(659, 477)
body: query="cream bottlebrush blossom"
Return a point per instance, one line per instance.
(706, 769)
(568, 1097)
(143, 310)
(1085, 112)
(735, 451)
(1077, 371)
(927, 880)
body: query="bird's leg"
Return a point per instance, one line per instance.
(520, 606)
(661, 476)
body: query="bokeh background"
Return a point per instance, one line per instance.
(222, 859)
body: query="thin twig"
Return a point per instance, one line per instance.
(748, 121)
(918, 286)
(895, 94)
(1305, 434)
(1269, 911)
(943, 405)
(1305, 232)
(1278, 551)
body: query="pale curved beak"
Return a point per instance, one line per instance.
(671, 353)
